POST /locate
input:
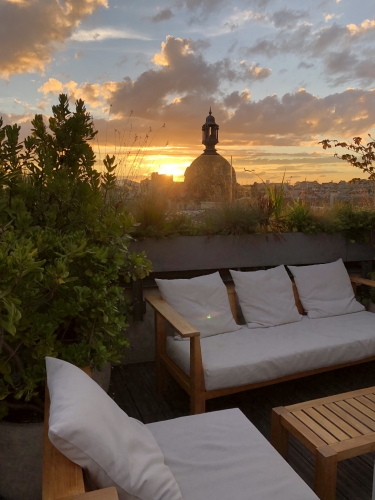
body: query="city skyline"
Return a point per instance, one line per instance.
(279, 77)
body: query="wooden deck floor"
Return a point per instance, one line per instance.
(133, 388)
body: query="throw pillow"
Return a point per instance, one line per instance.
(88, 427)
(266, 297)
(202, 301)
(325, 290)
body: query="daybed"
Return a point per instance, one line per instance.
(215, 456)
(223, 364)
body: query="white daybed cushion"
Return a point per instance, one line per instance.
(202, 301)
(250, 356)
(266, 297)
(88, 427)
(222, 456)
(325, 290)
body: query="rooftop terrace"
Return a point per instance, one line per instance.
(133, 389)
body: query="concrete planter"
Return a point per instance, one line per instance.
(21, 450)
(187, 253)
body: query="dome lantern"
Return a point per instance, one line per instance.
(210, 135)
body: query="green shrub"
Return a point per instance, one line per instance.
(356, 225)
(231, 218)
(63, 253)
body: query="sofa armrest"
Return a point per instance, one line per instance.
(61, 477)
(362, 281)
(183, 328)
(104, 494)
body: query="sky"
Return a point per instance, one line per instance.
(279, 76)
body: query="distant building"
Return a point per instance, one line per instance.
(157, 182)
(210, 177)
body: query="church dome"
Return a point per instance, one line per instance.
(210, 178)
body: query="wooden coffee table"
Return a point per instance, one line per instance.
(333, 428)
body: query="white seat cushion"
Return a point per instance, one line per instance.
(88, 427)
(202, 301)
(325, 290)
(222, 456)
(250, 356)
(266, 297)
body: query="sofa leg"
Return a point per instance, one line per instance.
(197, 405)
(161, 376)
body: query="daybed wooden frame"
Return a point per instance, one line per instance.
(194, 384)
(63, 479)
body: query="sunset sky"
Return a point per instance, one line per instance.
(280, 75)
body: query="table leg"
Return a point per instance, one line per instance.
(279, 435)
(325, 473)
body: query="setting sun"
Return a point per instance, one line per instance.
(175, 169)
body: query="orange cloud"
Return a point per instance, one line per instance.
(31, 31)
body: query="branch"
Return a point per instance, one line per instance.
(13, 354)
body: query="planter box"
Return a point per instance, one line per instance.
(188, 253)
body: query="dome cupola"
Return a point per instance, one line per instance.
(210, 134)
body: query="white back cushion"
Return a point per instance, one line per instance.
(202, 301)
(88, 427)
(266, 297)
(325, 290)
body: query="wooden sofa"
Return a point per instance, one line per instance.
(194, 384)
(215, 456)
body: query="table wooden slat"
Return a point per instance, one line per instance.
(367, 402)
(315, 427)
(338, 421)
(357, 414)
(326, 424)
(371, 397)
(330, 399)
(362, 408)
(354, 422)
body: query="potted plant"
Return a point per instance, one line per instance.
(64, 237)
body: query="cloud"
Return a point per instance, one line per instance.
(52, 86)
(32, 30)
(182, 86)
(305, 65)
(162, 15)
(286, 18)
(205, 5)
(94, 94)
(305, 116)
(239, 18)
(100, 34)
(200, 9)
(182, 72)
(352, 62)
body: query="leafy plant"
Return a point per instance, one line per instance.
(299, 218)
(231, 218)
(363, 157)
(150, 211)
(63, 254)
(355, 225)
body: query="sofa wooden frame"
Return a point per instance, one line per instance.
(194, 384)
(62, 478)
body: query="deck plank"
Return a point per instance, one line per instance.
(133, 387)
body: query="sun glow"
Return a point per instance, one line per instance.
(174, 168)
